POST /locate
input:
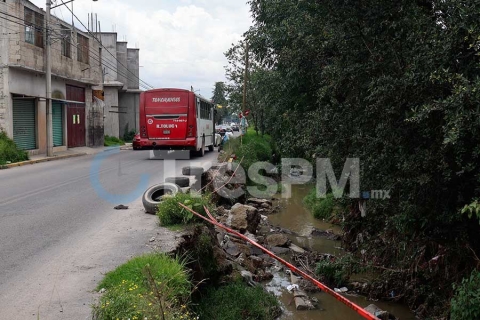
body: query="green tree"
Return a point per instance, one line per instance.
(219, 98)
(396, 84)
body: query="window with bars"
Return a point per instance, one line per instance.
(33, 27)
(83, 49)
(66, 42)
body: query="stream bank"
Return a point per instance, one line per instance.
(286, 228)
(305, 232)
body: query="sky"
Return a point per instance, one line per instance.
(182, 42)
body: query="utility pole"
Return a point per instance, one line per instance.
(243, 121)
(245, 78)
(48, 75)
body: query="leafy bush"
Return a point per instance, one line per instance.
(337, 271)
(237, 301)
(332, 271)
(128, 135)
(171, 213)
(9, 152)
(465, 305)
(321, 208)
(145, 287)
(254, 148)
(113, 141)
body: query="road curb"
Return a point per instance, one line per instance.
(24, 163)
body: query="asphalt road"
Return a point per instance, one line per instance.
(59, 232)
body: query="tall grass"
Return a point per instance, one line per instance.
(113, 141)
(238, 301)
(171, 213)
(152, 286)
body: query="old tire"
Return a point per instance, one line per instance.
(182, 182)
(153, 195)
(192, 171)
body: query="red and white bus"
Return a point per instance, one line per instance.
(175, 119)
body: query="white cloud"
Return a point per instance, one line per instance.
(182, 43)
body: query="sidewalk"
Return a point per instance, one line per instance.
(70, 153)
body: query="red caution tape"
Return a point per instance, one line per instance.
(362, 312)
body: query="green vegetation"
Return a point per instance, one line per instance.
(129, 135)
(9, 152)
(145, 287)
(252, 147)
(112, 142)
(396, 85)
(465, 304)
(332, 273)
(237, 301)
(337, 271)
(171, 213)
(219, 99)
(321, 208)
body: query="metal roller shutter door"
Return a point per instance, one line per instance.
(24, 124)
(57, 124)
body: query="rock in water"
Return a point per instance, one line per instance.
(379, 313)
(277, 240)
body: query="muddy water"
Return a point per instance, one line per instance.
(293, 216)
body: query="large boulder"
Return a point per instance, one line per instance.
(277, 240)
(243, 218)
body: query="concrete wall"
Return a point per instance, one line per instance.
(109, 41)
(22, 72)
(111, 112)
(129, 118)
(133, 57)
(5, 103)
(122, 63)
(4, 96)
(29, 56)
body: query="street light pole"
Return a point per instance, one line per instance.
(48, 67)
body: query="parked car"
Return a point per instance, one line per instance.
(220, 127)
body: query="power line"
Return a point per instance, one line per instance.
(40, 29)
(105, 47)
(92, 53)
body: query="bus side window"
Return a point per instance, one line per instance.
(198, 108)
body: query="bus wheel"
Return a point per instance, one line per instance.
(201, 152)
(210, 148)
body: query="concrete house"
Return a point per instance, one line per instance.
(76, 70)
(121, 86)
